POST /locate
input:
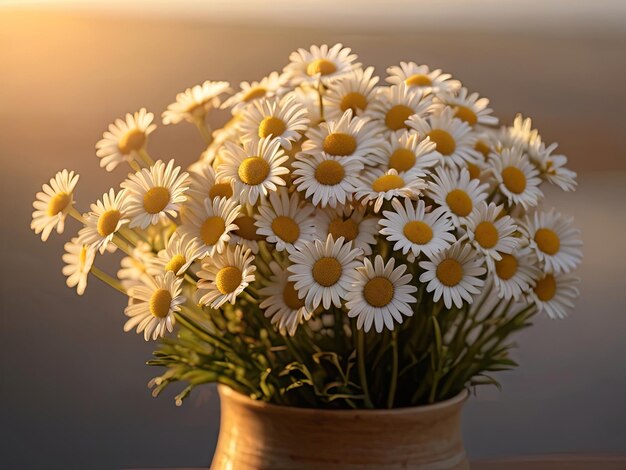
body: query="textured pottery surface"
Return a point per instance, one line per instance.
(255, 435)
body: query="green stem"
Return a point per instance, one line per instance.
(134, 166)
(145, 157)
(394, 369)
(360, 346)
(104, 277)
(204, 131)
(76, 215)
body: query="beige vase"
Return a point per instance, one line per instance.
(258, 436)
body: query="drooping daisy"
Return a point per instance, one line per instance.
(555, 294)
(416, 231)
(378, 186)
(53, 204)
(203, 184)
(454, 275)
(453, 138)
(78, 259)
(513, 273)
(350, 223)
(355, 139)
(155, 193)
(285, 220)
(152, 305)
(394, 105)
(552, 167)
(327, 180)
(283, 118)
(179, 253)
(134, 269)
(518, 178)
(267, 87)
(422, 78)
(125, 139)
(554, 240)
(194, 103)
(520, 133)
(107, 216)
(354, 91)
(225, 276)
(405, 152)
(255, 169)
(380, 294)
(281, 302)
(321, 271)
(211, 223)
(456, 193)
(490, 232)
(319, 63)
(468, 107)
(246, 233)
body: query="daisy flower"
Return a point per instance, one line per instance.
(552, 167)
(378, 186)
(285, 220)
(179, 253)
(555, 294)
(53, 204)
(282, 118)
(281, 302)
(152, 306)
(225, 276)
(490, 232)
(453, 138)
(319, 63)
(422, 78)
(78, 260)
(255, 169)
(380, 294)
(405, 152)
(456, 193)
(468, 107)
(454, 275)
(514, 273)
(107, 216)
(394, 105)
(351, 138)
(350, 223)
(155, 193)
(520, 133)
(554, 240)
(518, 179)
(125, 139)
(203, 184)
(322, 271)
(416, 231)
(329, 180)
(246, 233)
(267, 87)
(134, 269)
(211, 223)
(355, 91)
(194, 103)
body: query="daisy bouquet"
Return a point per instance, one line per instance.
(340, 243)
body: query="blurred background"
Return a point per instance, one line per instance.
(73, 386)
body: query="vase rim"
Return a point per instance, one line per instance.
(457, 400)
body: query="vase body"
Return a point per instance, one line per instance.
(259, 436)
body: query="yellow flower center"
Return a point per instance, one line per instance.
(132, 141)
(58, 203)
(175, 263)
(327, 271)
(107, 222)
(221, 190)
(419, 79)
(253, 94)
(474, 171)
(402, 159)
(378, 292)
(450, 272)
(290, 297)
(160, 302)
(514, 179)
(547, 241)
(321, 66)
(354, 101)
(212, 229)
(339, 144)
(253, 170)
(82, 257)
(506, 267)
(271, 126)
(418, 232)
(486, 235)
(546, 288)
(247, 229)
(330, 172)
(348, 229)
(466, 114)
(228, 279)
(443, 140)
(387, 183)
(285, 228)
(155, 200)
(459, 202)
(483, 148)
(395, 117)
